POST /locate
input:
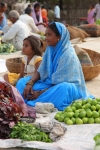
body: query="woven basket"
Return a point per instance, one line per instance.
(13, 65)
(92, 71)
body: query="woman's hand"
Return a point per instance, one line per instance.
(27, 90)
(34, 95)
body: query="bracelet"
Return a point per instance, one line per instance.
(30, 82)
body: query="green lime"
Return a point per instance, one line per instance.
(93, 108)
(68, 109)
(99, 112)
(69, 122)
(82, 114)
(56, 116)
(97, 120)
(61, 118)
(77, 111)
(65, 120)
(94, 102)
(85, 120)
(79, 121)
(91, 120)
(89, 113)
(88, 105)
(89, 100)
(69, 114)
(84, 102)
(97, 106)
(73, 108)
(78, 105)
(95, 114)
(76, 114)
(73, 120)
(83, 107)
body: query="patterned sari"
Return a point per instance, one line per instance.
(60, 73)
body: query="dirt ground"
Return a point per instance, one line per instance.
(91, 43)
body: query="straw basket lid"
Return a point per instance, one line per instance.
(90, 72)
(14, 64)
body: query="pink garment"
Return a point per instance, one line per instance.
(27, 110)
(90, 18)
(40, 27)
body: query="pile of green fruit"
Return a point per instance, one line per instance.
(28, 132)
(7, 48)
(97, 141)
(81, 112)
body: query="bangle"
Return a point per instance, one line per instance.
(30, 82)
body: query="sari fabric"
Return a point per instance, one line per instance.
(60, 73)
(3, 23)
(40, 27)
(90, 18)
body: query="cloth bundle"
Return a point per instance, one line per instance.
(44, 108)
(83, 56)
(55, 129)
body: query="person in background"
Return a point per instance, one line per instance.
(59, 79)
(97, 11)
(90, 17)
(36, 14)
(44, 14)
(28, 20)
(3, 20)
(50, 14)
(17, 32)
(57, 12)
(30, 62)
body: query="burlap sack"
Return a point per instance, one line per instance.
(92, 29)
(83, 56)
(77, 33)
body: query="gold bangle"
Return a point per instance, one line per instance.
(30, 82)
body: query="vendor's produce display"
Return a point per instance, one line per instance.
(28, 132)
(7, 48)
(97, 141)
(10, 112)
(81, 112)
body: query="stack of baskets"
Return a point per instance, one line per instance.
(92, 71)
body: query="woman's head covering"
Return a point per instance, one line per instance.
(40, 27)
(34, 14)
(60, 63)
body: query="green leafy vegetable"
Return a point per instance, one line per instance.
(29, 132)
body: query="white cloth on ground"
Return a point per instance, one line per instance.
(28, 20)
(44, 108)
(16, 34)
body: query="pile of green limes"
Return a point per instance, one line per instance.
(81, 112)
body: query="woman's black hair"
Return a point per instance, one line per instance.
(36, 44)
(92, 5)
(36, 5)
(2, 4)
(53, 27)
(28, 10)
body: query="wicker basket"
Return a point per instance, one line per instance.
(92, 71)
(13, 65)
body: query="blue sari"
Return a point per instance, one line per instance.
(3, 23)
(60, 73)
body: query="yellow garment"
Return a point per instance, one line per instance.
(13, 77)
(28, 70)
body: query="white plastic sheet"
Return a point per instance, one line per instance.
(77, 137)
(3, 65)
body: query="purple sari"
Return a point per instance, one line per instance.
(90, 18)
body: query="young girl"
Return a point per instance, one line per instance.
(31, 60)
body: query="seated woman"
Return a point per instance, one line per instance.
(59, 79)
(3, 20)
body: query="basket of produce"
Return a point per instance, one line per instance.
(14, 65)
(90, 72)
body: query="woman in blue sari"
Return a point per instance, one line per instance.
(59, 79)
(3, 20)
